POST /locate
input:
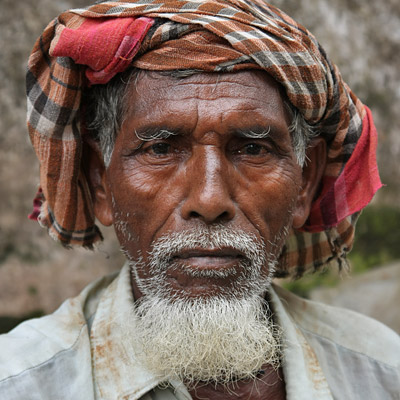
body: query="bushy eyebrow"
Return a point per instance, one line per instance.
(254, 133)
(154, 133)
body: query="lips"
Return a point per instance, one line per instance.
(206, 264)
(204, 272)
(208, 256)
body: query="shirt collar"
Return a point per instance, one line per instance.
(117, 373)
(304, 378)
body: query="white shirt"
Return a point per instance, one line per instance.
(76, 352)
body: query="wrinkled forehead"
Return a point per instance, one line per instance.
(243, 101)
(148, 88)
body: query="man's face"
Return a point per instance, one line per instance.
(222, 161)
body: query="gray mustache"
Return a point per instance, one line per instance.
(208, 238)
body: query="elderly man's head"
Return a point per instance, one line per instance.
(203, 186)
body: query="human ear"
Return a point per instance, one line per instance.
(95, 172)
(311, 177)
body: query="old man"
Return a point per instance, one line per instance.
(225, 149)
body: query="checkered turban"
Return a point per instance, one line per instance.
(89, 46)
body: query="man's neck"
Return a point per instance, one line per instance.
(269, 385)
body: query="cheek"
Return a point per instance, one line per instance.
(269, 199)
(144, 202)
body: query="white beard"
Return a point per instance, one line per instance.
(215, 339)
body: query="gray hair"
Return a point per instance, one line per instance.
(106, 108)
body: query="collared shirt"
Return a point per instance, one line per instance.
(77, 352)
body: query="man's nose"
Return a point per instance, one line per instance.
(209, 183)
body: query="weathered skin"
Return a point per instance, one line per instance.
(206, 174)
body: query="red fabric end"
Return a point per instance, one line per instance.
(105, 46)
(37, 205)
(354, 187)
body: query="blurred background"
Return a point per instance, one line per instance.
(37, 274)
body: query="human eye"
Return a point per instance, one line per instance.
(258, 146)
(159, 152)
(152, 151)
(158, 149)
(253, 149)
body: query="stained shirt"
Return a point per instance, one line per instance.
(77, 352)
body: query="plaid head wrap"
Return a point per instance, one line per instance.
(89, 46)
